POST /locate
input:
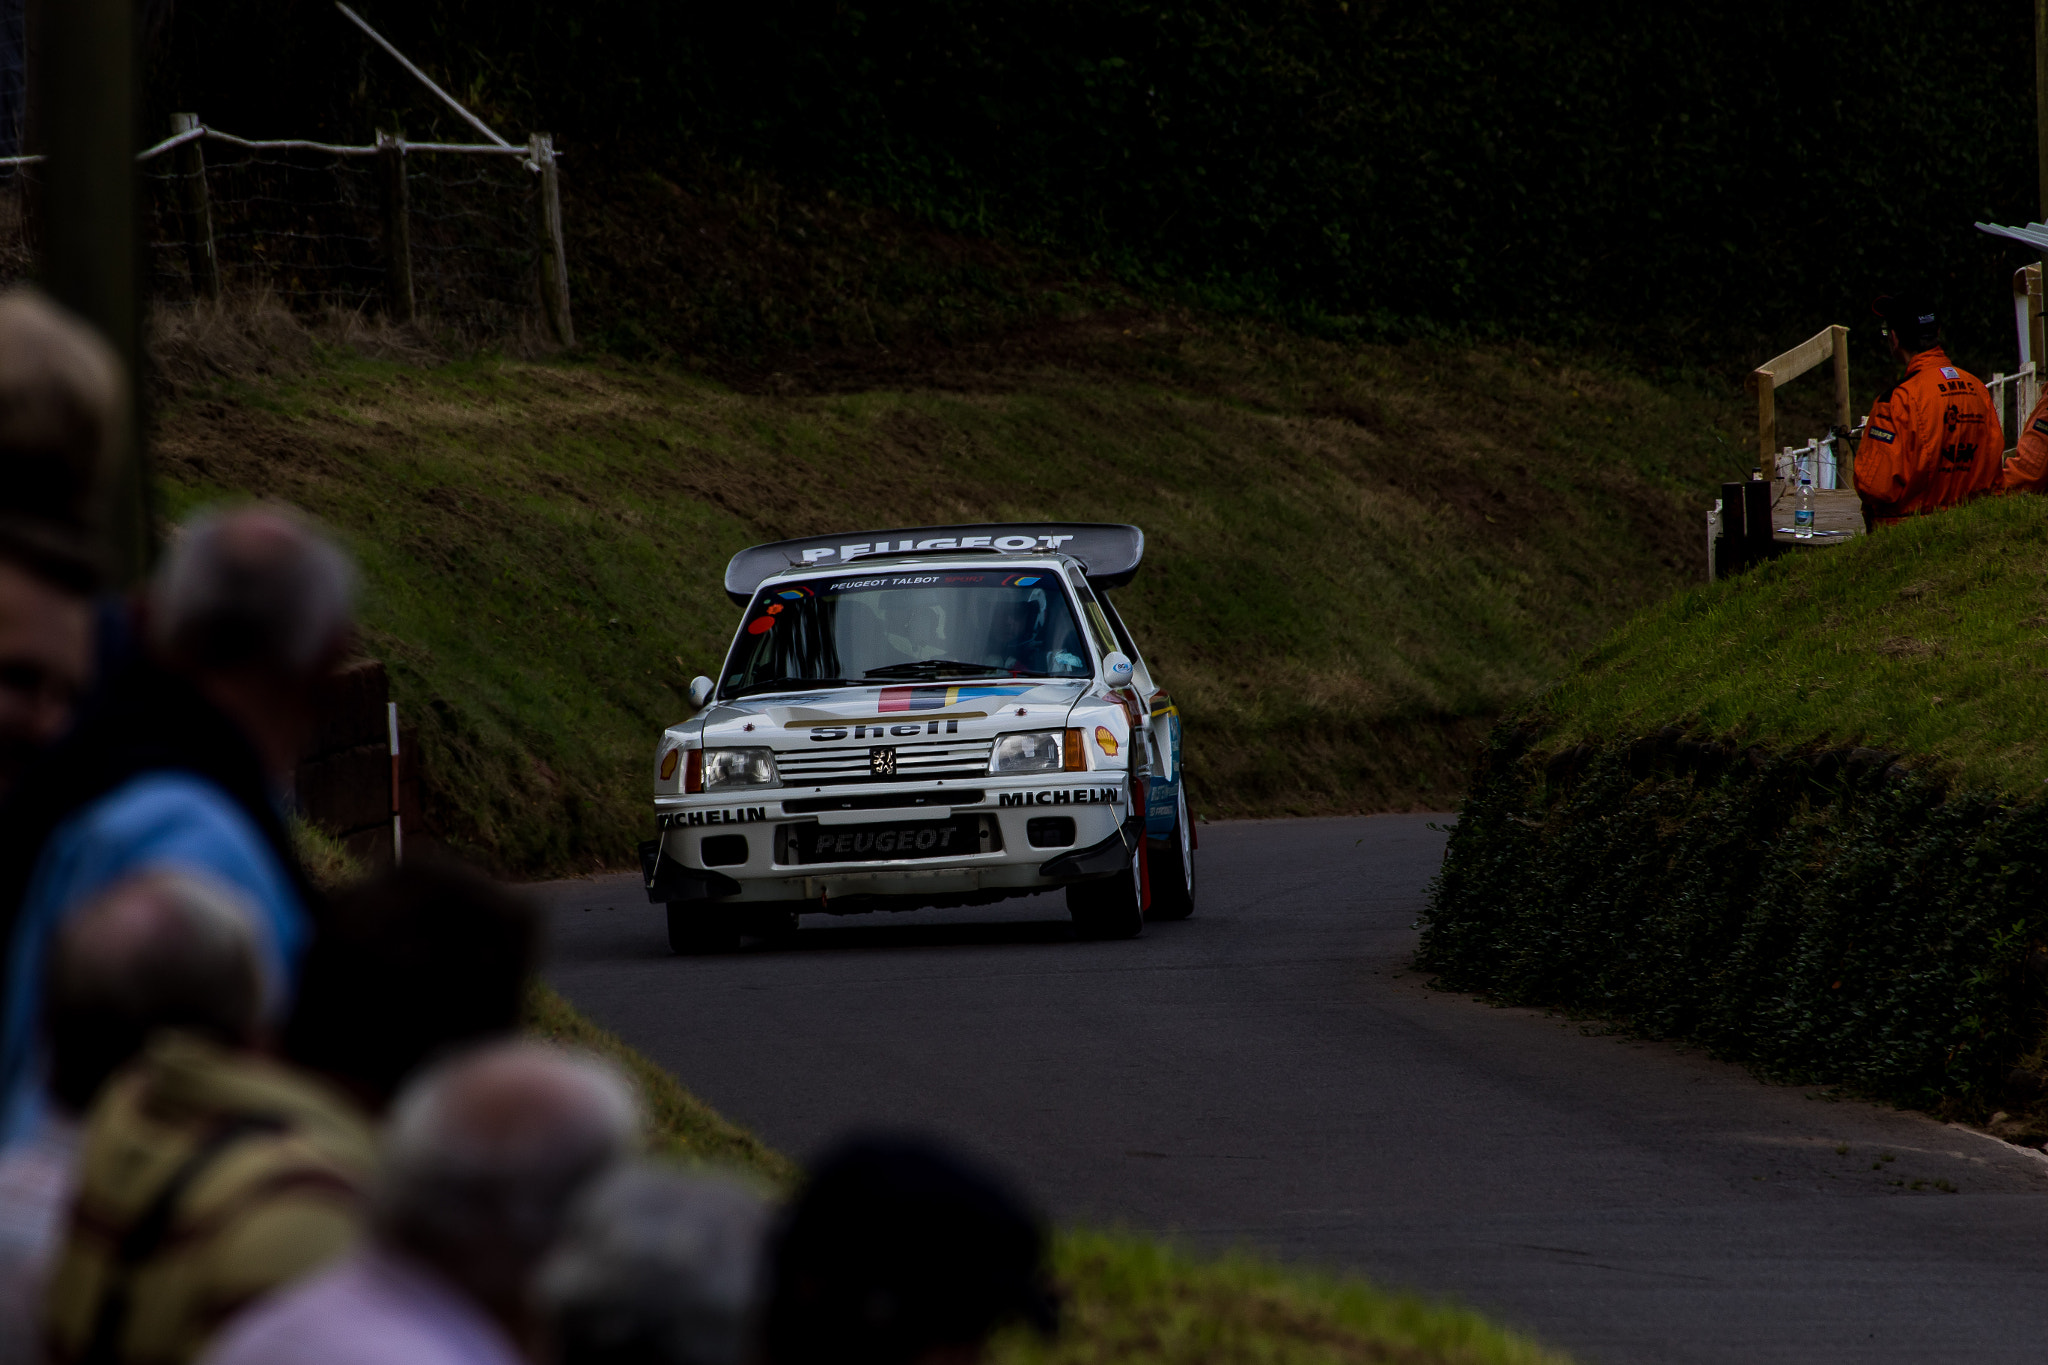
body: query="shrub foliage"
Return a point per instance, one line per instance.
(1696, 178)
(1822, 916)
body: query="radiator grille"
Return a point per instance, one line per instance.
(841, 765)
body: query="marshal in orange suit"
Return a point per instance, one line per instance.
(2027, 470)
(1935, 439)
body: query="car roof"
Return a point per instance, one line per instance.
(1107, 552)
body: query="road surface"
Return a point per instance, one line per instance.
(1271, 1074)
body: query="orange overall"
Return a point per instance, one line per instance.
(1934, 441)
(2027, 470)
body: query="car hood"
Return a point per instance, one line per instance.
(972, 710)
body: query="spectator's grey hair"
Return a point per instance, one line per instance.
(63, 415)
(252, 587)
(157, 950)
(485, 1151)
(657, 1267)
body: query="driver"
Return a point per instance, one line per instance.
(1016, 628)
(914, 630)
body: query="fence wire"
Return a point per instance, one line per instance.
(308, 227)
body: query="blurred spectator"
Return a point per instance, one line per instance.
(45, 662)
(405, 967)
(248, 1172)
(897, 1251)
(209, 1173)
(157, 951)
(483, 1158)
(656, 1267)
(61, 428)
(60, 405)
(182, 763)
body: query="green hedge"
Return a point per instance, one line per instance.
(1822, 916)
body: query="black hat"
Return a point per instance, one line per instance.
(1910, 315)
(896, 1245)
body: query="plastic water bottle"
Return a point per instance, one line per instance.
(1802, 511)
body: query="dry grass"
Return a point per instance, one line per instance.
(253, 335)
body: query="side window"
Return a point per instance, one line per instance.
(1099, 633)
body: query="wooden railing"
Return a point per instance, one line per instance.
(1774, 374)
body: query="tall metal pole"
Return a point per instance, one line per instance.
(84, 86)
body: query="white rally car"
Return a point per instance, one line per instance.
(937, 716)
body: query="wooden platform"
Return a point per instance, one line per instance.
(1837, 520)
(1834, 509)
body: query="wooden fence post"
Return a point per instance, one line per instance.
(1762, 383)
(197, 209)
(398, 297)
(554, 262)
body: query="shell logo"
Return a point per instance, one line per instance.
(668, 764)
(1105, 740)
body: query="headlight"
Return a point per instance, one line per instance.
(1039, 751)
(739, 768)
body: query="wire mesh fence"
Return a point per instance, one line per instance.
(463, 244)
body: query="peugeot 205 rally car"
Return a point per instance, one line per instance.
(937, 716)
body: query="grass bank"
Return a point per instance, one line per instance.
(1797, 816)
(1358, 556)
(1126, 1298)
(1930, 640)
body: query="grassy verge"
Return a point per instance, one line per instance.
(1800, 817)
(1358, 556)
(1127, 1298)
(1930, 640)
(683, 1126)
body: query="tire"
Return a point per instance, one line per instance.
(1113, 907)
(1173, 868)
(702, 927)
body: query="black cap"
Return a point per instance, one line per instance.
(896, 1245)
(1911, 317)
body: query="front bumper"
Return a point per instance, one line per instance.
(1004, 860)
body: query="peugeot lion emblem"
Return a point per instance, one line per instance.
(882, 762)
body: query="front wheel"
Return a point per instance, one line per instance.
(1173, 868)
(702, 927)
(1113, 907)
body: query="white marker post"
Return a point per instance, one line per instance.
(397, 821)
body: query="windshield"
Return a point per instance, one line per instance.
(948, 623)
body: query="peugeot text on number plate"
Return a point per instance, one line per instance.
(933, 716)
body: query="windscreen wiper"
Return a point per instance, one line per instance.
(789, 685)
(934, 668)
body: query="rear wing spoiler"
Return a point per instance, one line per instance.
(1109, 552)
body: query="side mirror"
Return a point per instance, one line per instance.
(1116, 668)
(700, 692)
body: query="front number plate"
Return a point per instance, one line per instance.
(883, 843)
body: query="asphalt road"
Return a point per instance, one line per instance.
(1271, 1074)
